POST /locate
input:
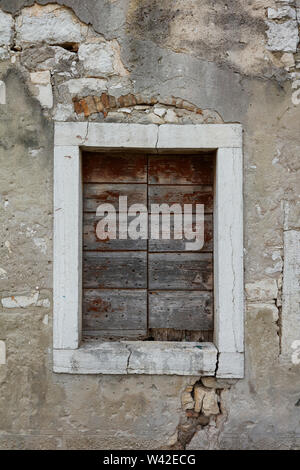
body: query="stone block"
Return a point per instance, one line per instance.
(254, 309)
(42, 83)
(50, 24)
(6, 29)
(54, 58)
(210, 403)
(187, 401)
(281, 12)
(288, 60)
(86, 86)
(290, 291)
(199, 393)
(265, 289)
(2, 92)
(283, 36)
(230, 365)
(206, 401)
(212, 382)
(25, 301)
(171, 116)
(97, 59)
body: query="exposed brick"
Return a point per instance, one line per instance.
(95, 104)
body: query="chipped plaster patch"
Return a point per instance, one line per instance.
(8, 246)
(41, 244)
(24, 301)
(2, 92)
(2, 352)
(3, 274)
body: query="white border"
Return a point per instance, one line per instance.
(224, 358)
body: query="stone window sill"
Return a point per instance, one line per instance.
(147, 357)
(137, 357)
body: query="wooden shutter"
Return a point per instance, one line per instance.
(150, 289)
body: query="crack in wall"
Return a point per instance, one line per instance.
(217, 363)
(128, 358)
(86, 134)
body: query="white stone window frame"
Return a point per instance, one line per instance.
(224, 357)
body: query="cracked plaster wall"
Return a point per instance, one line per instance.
(146, 61)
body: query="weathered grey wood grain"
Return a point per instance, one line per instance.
(95, 194)
(181, 310)
(114, 269)
(189, 271)
(179, 245)
(181, 169)
(170, 334)
(182, 195)
(114, 167)
(114, 309)
(92, 242)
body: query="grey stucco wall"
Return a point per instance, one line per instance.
(218, 60)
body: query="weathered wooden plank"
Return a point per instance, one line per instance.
(114, 168)
(96, 194)
(114, 309)
(182, 195)
(179, 245)
(180, 271)
(170, 334)
(181, 310)
(92, 242)
(114, 269)
(181, 169)
(117, 335)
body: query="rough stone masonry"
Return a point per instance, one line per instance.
(150, 61)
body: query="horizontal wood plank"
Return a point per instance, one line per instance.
(114, 168)
(114, 309)
(181, 310)
(170, 334)
(189, 271)
(180, 169)
(182, 195)
(96, 194)
(92, 242)
(103, 270)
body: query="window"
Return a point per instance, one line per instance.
(148, 164)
